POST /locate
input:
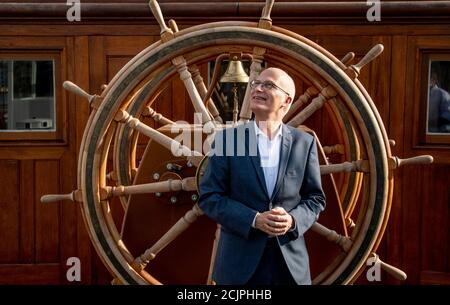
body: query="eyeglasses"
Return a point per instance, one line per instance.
(267, 85)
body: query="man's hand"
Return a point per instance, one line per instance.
(274, 222)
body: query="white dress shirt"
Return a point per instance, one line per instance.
(269, 151)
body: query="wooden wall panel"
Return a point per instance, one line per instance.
(30, 231)
(27, 212)
(47, 215)
(114, 64)
(435, 226)
(425, 196)
(380, 79)
(413, 179)
(30, 274)
(434, 278)
(425, 238)
(10, 214)
(79, 64)
(46, 235)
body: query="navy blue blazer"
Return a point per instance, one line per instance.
(233, 190)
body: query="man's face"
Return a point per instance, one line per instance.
(265, 102)
(433, 79)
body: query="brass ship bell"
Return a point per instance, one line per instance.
(235, 74)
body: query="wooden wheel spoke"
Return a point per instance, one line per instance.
(349, 223)
(363, 165)
(173, 25)
(171, 185)
(201, 87)
(180, 63)
(75, 196)
(354, 166)
(335, 149)
(93, 99)
(348, 58)
(395, 162)
(354, 70)
(175, 147)
(343, 241)
(179, 227)
(265, 14)
(194, 95)
(157, 117)
(325, 95)
(166, 33)
(394, 271)
(312, 91)
(302, 100)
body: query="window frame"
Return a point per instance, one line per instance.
(426, 137)
(57, 133)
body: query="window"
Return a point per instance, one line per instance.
(434, 114)
(438, 113)
(27, 95)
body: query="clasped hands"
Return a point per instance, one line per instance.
(274, 222)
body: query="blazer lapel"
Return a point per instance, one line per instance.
(286, 146)
(256, 160)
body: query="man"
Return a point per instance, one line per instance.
(263, 187)
(438, 107)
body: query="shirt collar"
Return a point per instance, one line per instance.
(259, 132)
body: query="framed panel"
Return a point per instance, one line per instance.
(435, 98)
(426, 93)
(30, 97)
(33, 104)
